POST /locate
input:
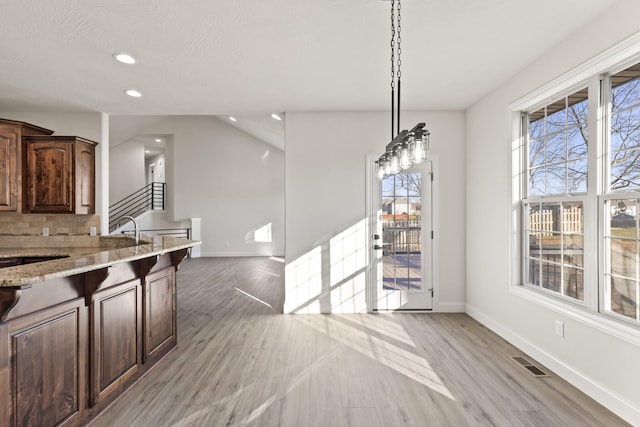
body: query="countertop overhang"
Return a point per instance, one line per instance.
(80, 260)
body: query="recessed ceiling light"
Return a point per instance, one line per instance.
(125, 58)
(147, 151)
(157, 140)
(233, 119)
(134, 93)
(275, 116)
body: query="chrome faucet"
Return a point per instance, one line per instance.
(135, 225)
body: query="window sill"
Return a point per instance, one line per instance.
(601, 322)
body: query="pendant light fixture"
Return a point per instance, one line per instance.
(407, 147)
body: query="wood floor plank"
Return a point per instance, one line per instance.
(361, 417)
(326, 403)
(354, 385)
(240, 362)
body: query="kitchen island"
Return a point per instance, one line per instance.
(81, 327)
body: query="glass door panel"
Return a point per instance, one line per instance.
(402, 253)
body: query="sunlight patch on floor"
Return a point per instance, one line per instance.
(254, 298)
(402, 361)
(303, 375)
(256, 413)
(197, 417)
(378, 323)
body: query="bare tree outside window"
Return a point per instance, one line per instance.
(559, 138)
(558, 141)
(625, 135)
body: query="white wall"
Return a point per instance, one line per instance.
(602, 365)
(126, 170)
(325, 203)
(231, 180)
(85, 125)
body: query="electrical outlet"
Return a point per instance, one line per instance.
(45, 231)
(92, 231)
(560, 328)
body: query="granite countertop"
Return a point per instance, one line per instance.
(82, 258)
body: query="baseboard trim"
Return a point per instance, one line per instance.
(604, 396)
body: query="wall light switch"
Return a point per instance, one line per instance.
(92, 231)
(560, 328)
(45, 231)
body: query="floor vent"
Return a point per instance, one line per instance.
(537, 372)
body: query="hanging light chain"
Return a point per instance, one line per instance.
(399, 30)
(393, 44)
(407, 147)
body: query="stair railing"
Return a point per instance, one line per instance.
(149, 197)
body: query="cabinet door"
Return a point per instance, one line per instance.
(9, 172)
(46, 367)
(160, 313)
(49, 177)
(85, 165)
(116, 350)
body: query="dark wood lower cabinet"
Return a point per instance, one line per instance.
(63, 363)
(47, 366)
(116, 348)
(160, 314)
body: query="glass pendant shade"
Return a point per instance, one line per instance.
(405, 161)
(395, 163)
(387, 166)
(380, 169)
(411, 141)
(425, 142)
(419, 151)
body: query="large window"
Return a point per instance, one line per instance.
(583, 171)
(621, 236)
(557, 136)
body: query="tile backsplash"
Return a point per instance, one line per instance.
(58, 224)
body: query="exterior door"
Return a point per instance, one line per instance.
(401, 251)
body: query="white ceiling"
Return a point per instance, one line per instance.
(252, 57)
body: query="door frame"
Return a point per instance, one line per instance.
(370, 211)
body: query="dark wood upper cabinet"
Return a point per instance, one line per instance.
(12, 162)
(60, 175)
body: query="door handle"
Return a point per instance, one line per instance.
(382, 246)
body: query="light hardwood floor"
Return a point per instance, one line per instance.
(240, 362)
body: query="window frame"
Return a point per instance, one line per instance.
(522, 149)
(595, 73)
(606, 194)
